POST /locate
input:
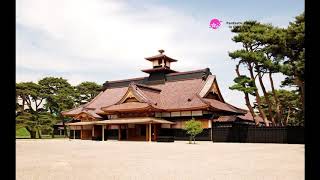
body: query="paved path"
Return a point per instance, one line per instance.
(113, 160)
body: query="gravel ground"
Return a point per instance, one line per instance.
(79, 159)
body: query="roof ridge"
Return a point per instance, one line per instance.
(123, 80)
(148, 87)
(187, 72)
(169, 74)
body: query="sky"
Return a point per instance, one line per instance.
(104, 40)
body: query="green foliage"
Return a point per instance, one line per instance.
(53, 85)
(59, 94)
(250, 33)
(193, 128)
(31, 93)
(247, 56)
(56, 94)
(35, 122)
(295, 52)
(86, 91)
(244, 84)
(290, 107)
(46, 121)
(263, 46)
(27, 120)
(268, 49)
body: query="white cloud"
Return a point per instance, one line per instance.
(107, 40)
(278, 20)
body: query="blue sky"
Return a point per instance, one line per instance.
(98, 40)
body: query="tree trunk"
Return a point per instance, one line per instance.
(282, 115)
(247, 99)
(33, 134)
(277, 115)
(190, 139)
(39, 134)
(64, 126)
(23, 103)
(270, 118)
(194, 140)
(301, 88)
(258, 97)
(302, 95)
(64, 129)
(288, 116)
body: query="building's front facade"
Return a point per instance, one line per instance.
(148, 107)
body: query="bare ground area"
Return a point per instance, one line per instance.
(88, 160)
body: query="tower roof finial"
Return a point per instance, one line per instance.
(161, 51)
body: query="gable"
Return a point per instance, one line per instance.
(130, 99)
(84, 117)
(212, 95)
(211, 89)
(131, 96)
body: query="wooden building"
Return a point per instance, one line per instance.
(58, 129)
(245, 120)
(138, 109)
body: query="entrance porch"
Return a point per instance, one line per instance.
(135, 129)
(138, 132)
(128, 129)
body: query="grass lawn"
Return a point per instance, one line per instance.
(22, 133)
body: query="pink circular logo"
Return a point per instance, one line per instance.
(215, 23)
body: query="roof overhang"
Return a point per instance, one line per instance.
(161, 56)
(87, 115)
(81, 123)
(128, 107)
(141, 120)
(138, 120)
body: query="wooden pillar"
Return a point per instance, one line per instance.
(60, 132)
(127, 132)
(74, 133)
(150, 134)
(92, 130)
(147, 132)
(210, 122)
(107, 129)
(119, 132)
(102, 132)
(155, 132)
(81, 132)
